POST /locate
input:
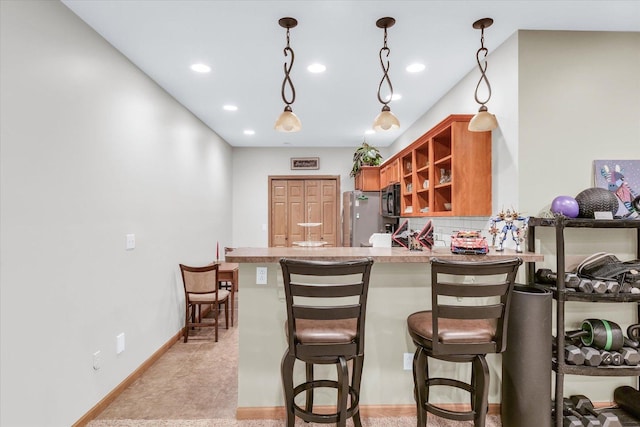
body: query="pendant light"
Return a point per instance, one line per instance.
(288, 121)
(385, 120)
(483, 120)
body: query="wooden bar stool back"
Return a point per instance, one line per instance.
(468, 320)
(326, 305)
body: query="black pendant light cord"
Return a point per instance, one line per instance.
(385, 69)
(287, 79)
(482, 51)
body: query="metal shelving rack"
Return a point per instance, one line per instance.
(560, 367)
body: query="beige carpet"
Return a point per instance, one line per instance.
(195, 384)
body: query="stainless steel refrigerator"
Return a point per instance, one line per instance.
(360, 217)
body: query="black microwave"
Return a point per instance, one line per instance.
(390, 201)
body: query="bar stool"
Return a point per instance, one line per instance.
(331, 331)
(468, 320)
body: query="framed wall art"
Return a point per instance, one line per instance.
(622, 177)
(299, 163)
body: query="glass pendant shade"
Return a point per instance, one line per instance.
(483, 121)
(288, 121)
(385, 120)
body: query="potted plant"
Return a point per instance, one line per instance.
(365, 155)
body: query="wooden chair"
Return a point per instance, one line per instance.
(468, 320)
(201, 288)
(331, 331)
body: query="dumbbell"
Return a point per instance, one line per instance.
(571, 280)
(630, 356)
(588, 356)
(613, 287)
(573, 355)
(583, 420)
(592, 357)
(599, 287)
(583, 405)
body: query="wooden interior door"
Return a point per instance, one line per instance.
(295, 200)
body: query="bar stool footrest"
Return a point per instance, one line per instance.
(310, 416)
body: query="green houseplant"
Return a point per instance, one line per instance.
(365, 155)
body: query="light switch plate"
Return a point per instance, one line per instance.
(120, 343)
(131, 242)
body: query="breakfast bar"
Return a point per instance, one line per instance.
(399, 286)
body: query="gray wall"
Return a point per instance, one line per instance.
(92, 149)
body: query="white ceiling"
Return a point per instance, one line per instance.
(243, 43)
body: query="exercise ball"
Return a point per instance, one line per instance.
(596, 200)
(565, 205)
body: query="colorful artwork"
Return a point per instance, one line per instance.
(622, 177)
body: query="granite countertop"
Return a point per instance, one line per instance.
(390, 255)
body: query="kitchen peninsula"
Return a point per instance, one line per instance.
(398, 287)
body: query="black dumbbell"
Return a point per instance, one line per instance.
(592, 356)
(571, 280)
(584, 420)
(630, 356)
(607, 357)
(616, 359)
(583, 405)
(573, 355)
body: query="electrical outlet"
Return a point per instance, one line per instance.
(97, 360)
(408, 361)
(261, 275)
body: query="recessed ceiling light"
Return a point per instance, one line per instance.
(415, 68)
(249, 132)
(369, 132)
(316, 68)
(230, 107)
(200, 68)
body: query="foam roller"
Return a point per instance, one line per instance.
(628, 398)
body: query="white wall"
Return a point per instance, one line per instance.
(92, 149)
(579, 102)
(251, 169)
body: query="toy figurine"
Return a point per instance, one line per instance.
(517, 233)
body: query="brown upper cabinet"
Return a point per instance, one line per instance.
(445, 172)
(368, 178)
